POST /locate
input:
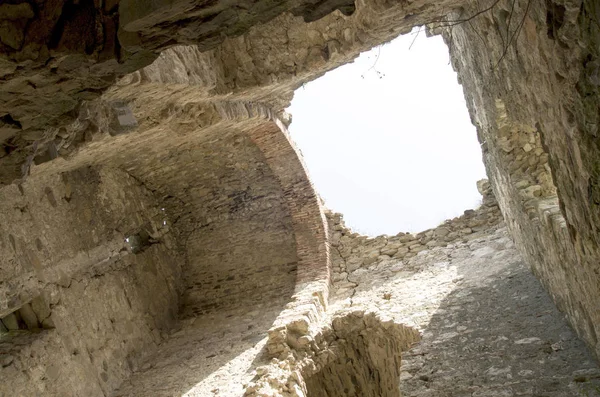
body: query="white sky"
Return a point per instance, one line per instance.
(396, 153)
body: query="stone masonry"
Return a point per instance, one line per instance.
(478, 321)
(100, 305)
(161, 235)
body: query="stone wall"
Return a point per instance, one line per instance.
(248, 165)
(365, 359)
(311, 294)
(239, 236)
(241, 262)
(256, 277)
(92, 266)
(487, 326)
(352, 354)
(531, 90)
(57, 55)
(101, 302)
(355, 348)
(352, 251)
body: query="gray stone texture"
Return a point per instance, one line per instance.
(535, 105)
(100, 308)
(472, 318)
(153, 202)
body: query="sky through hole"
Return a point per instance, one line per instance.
(388, 140)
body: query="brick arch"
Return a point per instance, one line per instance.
(310, 227)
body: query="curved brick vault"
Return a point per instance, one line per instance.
(154, 202)
(229, 219)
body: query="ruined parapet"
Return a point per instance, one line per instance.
(351, 251)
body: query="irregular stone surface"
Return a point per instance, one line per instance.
(489, 329)
(91, 309)
(175, 200)
(534, 99)
(352, 252)
(352, 353)
(128, 262)
(45, 84)
(209, 355)
(366, 363)
(497, 333)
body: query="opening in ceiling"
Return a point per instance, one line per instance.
(388, 139)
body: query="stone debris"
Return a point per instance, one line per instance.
(472, 300)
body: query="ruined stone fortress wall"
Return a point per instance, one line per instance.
(338, 355)
(453, 308)
(128, 248)
(351, 251)
(241, 250)
(81, 304)
(534, 103)
(227, 252)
